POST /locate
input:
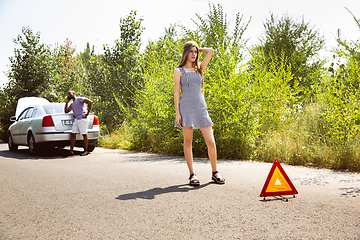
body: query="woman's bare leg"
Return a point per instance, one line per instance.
(188, 137)
(210, 142)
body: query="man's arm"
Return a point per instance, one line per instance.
(89, 103)
(67, 109)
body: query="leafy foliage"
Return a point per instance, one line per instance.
(296, 43)
(151, 126)
(123, 76)
(29, 74)
(274, 101)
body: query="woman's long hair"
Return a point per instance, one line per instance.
(196, 64)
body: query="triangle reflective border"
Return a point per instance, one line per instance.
(277, 182)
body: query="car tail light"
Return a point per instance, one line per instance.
(48, 121)
(96, 120)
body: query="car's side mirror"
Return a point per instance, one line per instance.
(13, 119)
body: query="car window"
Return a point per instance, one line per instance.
(30, 113)
(52, 108)
(34, 112)
(23, 114)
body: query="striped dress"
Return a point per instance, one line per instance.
(192, 107)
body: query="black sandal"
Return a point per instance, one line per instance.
(219, 180)
(195, 181)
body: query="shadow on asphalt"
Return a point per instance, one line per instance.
(350, 192)
(46, 153)
(151, 193)
(132, 156)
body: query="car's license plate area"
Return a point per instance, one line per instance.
(68, 122)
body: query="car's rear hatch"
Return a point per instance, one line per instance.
(60, 120)
(63, 121)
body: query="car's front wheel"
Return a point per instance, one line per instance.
(33, 146)
(12, 146)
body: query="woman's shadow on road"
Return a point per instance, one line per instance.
(151, 193)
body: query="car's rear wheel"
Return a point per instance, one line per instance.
(91, 148)
(12, 146)
(33, 146)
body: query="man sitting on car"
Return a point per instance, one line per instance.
(80, 124)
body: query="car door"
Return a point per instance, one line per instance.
(26, 124)
(17, 129)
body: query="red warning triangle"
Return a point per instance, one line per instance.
(277, 182)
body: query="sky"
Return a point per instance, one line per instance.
(97, 22)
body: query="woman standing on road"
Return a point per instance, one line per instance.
(191, 111)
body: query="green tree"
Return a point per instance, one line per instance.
(296, 43)
(214, 31)
(67, 73)
(123, 74)
(340, 98)
(28, 75)
(85, 57)
(151, 126)
(225, 87)
(345, 56)
(29, 70)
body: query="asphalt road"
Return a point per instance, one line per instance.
(116, 194)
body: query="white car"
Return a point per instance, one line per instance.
(41, 124)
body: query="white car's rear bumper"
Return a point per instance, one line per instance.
(54, 136)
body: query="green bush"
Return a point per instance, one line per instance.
(272, 101)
